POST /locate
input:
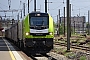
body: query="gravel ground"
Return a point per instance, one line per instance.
(75, 54)
(57, 56)
(79, 55)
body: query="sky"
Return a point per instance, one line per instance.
(78, 7)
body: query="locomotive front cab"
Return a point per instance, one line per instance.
(40, 34)
(39, 24)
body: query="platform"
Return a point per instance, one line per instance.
(8, 51)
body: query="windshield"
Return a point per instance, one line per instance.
(38, 21)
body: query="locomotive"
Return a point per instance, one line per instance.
(34, 33)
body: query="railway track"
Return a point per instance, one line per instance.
(41, 57)
(78, 51)
(81, 47)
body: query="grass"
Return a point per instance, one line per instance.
(88, 44)
(69, 54)
(60, 50)
(83, 58)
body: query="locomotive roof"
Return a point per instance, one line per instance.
(38, 12)
(42, 14)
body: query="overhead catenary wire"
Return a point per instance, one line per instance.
(79, 9)
(60, 3)
(25, 6)
(2, 9)
(19, 10)
(3, 5)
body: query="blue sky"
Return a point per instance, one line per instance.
(79, 7)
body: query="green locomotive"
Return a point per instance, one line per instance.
(34, 33)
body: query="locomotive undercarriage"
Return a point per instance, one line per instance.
(39, 45)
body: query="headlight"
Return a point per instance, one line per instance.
(51, 33)
(27, 33)
(34, 42)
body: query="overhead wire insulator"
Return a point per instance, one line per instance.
(20, 2)
(9, 7)
(63, 1)
(9, 3)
